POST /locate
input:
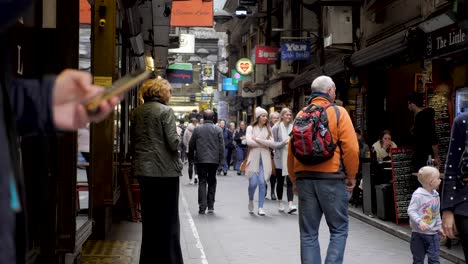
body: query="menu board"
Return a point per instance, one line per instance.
(404, 183)
(440, 104)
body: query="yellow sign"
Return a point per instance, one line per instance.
(103, 81)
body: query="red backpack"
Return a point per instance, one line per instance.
(312, 142)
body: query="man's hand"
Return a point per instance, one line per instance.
(73, 88)
(448, 224)
(350, 184)
(423, 226)
(294, 187)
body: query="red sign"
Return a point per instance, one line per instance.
(266, 54)
(192, 13)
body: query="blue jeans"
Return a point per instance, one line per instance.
(257, 179)
(240, 152)
(317, 198)
(422, 244)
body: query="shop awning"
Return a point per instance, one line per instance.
(380, 50)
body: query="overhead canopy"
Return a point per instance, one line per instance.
(388, 47)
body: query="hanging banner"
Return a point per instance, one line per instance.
(179, 76)
(208, 72)
(266, 55)
(192, 13)
(181, 66)
(244, 66)
(295, 50)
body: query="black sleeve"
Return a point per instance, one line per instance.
(31, 101)
(456, 147)
(434, 138)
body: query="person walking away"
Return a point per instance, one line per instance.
(258, 168)
(423, 131)
(241, 142)
(180, 132)
(324, 188)
(281, 131)
(207, 148)
(273, 119)
(227, 146)
(187, 136)
(424, 214)
(158, 168)
(454, 204)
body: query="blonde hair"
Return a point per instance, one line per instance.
(425, 174)
(159, 88)
(284, 111)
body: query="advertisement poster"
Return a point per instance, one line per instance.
(208, 72)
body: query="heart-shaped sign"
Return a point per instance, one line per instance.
(244, 66)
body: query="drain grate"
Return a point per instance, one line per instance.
(110, 252)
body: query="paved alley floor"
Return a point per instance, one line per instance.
(233, 236)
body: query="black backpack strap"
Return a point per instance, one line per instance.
(338, 115)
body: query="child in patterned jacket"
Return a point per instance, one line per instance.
(424, 214)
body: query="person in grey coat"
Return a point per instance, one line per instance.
(158, 168)
(206, 147)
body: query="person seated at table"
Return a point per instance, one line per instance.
(383, 145)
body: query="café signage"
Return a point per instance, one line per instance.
(295, 50)
(446, 39)
(265, 54)
(244, 66)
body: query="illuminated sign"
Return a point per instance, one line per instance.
(244, 66)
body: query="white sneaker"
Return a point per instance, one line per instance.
(281, 206)
(292, 209)
(251, 207)
(191, 181)
(261, 212)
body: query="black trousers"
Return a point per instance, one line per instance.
(160, 241)
(280, 186)
(190, 167)
(462, 227)
(206, 176)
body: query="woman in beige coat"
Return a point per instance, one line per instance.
(258, 169)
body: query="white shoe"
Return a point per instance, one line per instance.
(261, 212)
(251, 207)
(281, 206)
(191, 182)
(292, 209)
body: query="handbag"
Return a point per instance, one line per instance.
(244, 162)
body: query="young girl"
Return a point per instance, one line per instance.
(258, 169)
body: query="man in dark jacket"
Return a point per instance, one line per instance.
(207, 147)
(31, 106)
(424, 133)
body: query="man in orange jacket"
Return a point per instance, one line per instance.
(325, 188)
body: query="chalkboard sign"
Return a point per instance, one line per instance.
(404, 183)
(440, 103)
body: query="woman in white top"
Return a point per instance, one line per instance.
(383, 145)
(258, 169)
(281, 131)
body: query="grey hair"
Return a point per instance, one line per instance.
(321, 84)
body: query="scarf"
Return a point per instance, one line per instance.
(284, 132)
